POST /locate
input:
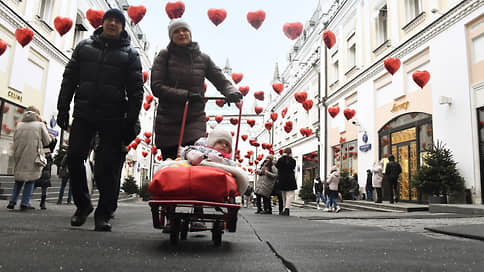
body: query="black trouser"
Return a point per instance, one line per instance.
(267, 203)
(118, 179)
(279, 200)
(379, 195)
(394, 192)
(107, 162)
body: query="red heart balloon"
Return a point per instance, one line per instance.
(244, 137)
(301, 96)
(145, 76)
(329, 38)
(244, 90)
(147, 140)
(148, 134)
(232, 133)
(281, 151)
(259, 95)
(134, 146)
(283, 112)
(146, 106)
(154, 150)
(309, 132)
(24, 36)
(308, 104)
(206, 134)
(302, 131)
(207, 118)
(421, 78)
(239, 105)
(175, 9)
(256, 18)
(237, 77)
(217, 16)
(137, 140)
(144, 153)
(149, 98)
(95, 17)
(349, 113)
(287, 129)
(62, 24)
(251, 122)
(256, 144)
(258, 110)
(241, 160)
(274, 116)
(3, 47)
(136, 13)
(292, 30)
(219, 118)
(392, 65)
(289, 123)
(220, 102)
(268, 125)
(333, 111)
(234, 121)
(250, 152)
(159, 157)
(277, 87)
(342, 140)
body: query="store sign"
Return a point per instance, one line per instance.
(55, 133)
(397, 107)
(365, 148)
(14, 96)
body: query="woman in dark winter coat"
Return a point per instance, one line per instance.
(44, 181)
(265, 184)
(177, 76)
(287, 179)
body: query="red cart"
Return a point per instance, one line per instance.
(181, 213)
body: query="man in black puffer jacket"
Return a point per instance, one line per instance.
(104, 77)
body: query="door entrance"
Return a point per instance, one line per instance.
(406, 155)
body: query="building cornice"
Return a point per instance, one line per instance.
(39, 40)
(436, 27)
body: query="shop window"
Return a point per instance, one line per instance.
(11, 116)
(345, 156)
(478, 48)
(381, 26)
(334, 68)
(425, 138)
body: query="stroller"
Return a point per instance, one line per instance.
(181, 200)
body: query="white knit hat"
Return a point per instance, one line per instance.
(219, 134)
(176, 24)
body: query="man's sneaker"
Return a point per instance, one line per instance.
(338, 209)
(332, 209)
(11, 205)
(326, 210)
(317, 207)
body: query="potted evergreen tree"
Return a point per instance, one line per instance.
(306, 192)
(438, 175)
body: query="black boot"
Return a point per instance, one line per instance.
(42, 202)
(285, 212)
(101, 224)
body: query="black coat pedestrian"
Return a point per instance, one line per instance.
(285, 167)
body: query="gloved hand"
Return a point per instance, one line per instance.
(234, 97)
(194, 97)
(194, 157)
(63, 120)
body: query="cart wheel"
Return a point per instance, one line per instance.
(184, 229)
(217, 233)
(175, 231)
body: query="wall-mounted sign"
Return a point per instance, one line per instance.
(365, 138)
(365, 147)
(397, 107)
(14, 96)
(55, 133)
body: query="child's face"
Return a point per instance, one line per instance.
(222, 146)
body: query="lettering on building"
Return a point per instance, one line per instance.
(15, 96)
(397, 107)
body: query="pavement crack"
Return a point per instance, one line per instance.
(289, 265)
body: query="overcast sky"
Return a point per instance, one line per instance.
(251, 52)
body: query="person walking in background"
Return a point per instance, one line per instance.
(318, 192)
(30, 137)
(63, 172)
(287, 179)
(392, 171)
(178, 75)
(247, 196)
(333, 181)
(44, 181)
(377, 180)
(265, 184)
(104, 75)
(369, 186)
(355, 187)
